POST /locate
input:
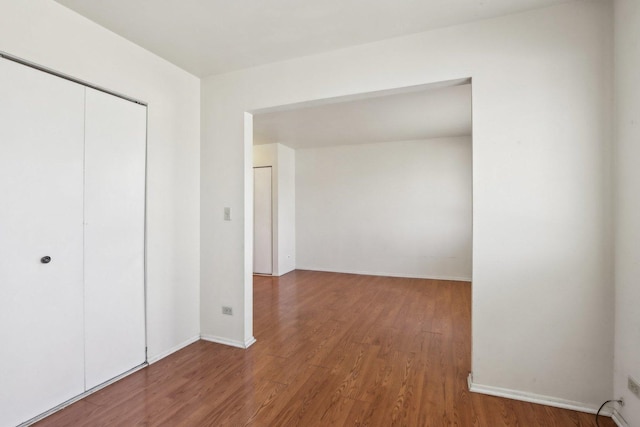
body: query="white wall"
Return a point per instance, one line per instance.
(542, 294)
(282, 161)
(627, 218)
(392, 209)
(286, 209)
(48, 34)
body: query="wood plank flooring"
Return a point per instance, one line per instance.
(332, 350)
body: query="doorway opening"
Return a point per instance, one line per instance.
(375, 184)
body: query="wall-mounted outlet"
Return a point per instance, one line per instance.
(633, 386)
(227, 214)
(227, 310)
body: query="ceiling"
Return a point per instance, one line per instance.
(208, 37)
(424, 114)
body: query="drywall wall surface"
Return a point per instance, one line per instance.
(282, 161)
(627, 217)
(542, 292)
(392, 209)
(286, 209)
(265, 155)
(46, 33)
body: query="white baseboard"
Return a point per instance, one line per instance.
(173, 349)
(535, 398)
(617, 418)
(226, 341)
(286, 270)
(377, 273)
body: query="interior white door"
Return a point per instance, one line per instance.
(41, 309)
(262, 221)
(114, 203)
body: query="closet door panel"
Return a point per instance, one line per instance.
(41, 304)
(115, 140)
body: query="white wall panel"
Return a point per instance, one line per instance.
(627, 205)
(390, 209)
(286, 183)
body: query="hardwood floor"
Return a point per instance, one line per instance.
(332, 350)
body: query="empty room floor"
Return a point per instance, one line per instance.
(332, 349)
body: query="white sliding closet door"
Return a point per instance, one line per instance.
(41, 307)
(115, 140)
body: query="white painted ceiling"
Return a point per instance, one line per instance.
(208, 37)
(425, 114)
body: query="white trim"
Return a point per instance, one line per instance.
(274, 274)
(226, 341)
(373, 273)
(82, 396)
(173, 349)
(617, 418)
(535, 398)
